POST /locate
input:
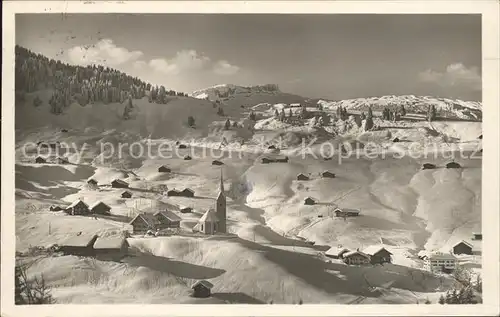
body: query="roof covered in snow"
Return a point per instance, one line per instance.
(336, 251)
(97, 203)
(209, 216)
(76, 202)
(374, 249)
(205, 283)
(114, 242)
(441, 256)
(169, 215)
(120, 181)
(82, 240)
(348, 254)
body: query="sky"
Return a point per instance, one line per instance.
(318, 56)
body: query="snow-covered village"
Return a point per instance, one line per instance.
(354, 178)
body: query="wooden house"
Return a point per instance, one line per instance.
(186, 192)
(81, 245)
(202, 289)
(477, 236)
(356, 258)
(55, 208)
(266, 160)
(208, 223)
(395, 140)
(185, 210)
(164, 169)
(453, 165)
(62, 160)
(40, 160)
(428, 166)
(92, 182)
(302, 177)
(111, 247)
(462, 247)
(217, 162)
(126, 194)
(378, 254)
(182, 146)
(118, 183)
(309, 201)
(328, 174)
(336, 252)
(100, 208)
(187, 158)
(64, 130)
(144, 222)
(78, 207)
(173, 192)
(344, 212)
(440, 262)
(167, 219)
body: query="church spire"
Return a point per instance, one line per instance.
(221, 187)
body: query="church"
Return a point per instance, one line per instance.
(214, 219)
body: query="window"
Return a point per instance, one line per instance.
(201, 227)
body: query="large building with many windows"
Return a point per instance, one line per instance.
(440, 262)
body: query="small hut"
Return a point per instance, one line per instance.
(302, 177)
(187, 158)
(395, 140)
(126, 194)
(217, 162)
(92, 182)
(185, 210)
(271, 147)
(462, 247)
(78, 207)
(266, 160)
(477, 236)
(202, 289)
(81, 245)
(453, 165)
(336, 252)
(328, 174)
(118, 183)
(356, 258)
(282, 159)
(55, 208)
(164, 169)
(40, 160)
(62, 160)
(100, 208)
(182, 146)
(111, 247)
(173, 192)
(186, 192)
(309, 201)
(344, 212)
(428, 166)
(64, 130)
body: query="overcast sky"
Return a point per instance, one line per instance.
(329, 56)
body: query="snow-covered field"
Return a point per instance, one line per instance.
(267, 257)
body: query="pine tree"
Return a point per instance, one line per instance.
(282, 115)
(276, 113)
(362, 116)
(162, 95)
(403, 110)
(227, 125)
(290, 114)
(370, 112)
(442, 300)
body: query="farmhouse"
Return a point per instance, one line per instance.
(78, 207)
(217, 162)
(356, 258)
(378, 254)
(118, 183)
(40, 160)
(126, 194)
(81, 245)
(477, 236)
(302, 177)
(428, 166)
(440, 262)
(92, 182)
(208, 223)
(462, 247)
(55, 208)
(113, 247)
(202, 289)
(144, 222)
(167, 219)
(182, 146)
(453, 165)
(164, 169)
(186, 192)
(328, 174)
(100, 208)
(344, 212)
(185, 210)
(395, 140)
(336, 252)
(309, 201)
(62, 160)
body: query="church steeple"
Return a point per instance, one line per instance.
(221, 187)
(220, 206)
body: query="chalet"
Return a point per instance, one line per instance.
(55, 208)
(92, 182)
(440, 262)
(62, 160)
(477, 236)
(126, 194)
(100, 208)
(217, 162)
(208, 223)
(111, 247)
(81, 245)
(309, 201)
(327, 174)
(202, 289)
(462, 247)
(378, 254)
(336, 252)
(144, 222)
(167, 219)
(344, 212)
(182, 146)
(186, 192)
(428, 166)
(173, 192)
(302, 177)
(164, 169)
(187, 158)
(185, 210)
(453, 165)
(356, 258)
(78, 207)
(118, 183)
(395, 140)
(40, 160)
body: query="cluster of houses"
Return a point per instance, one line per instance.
(370, 255)
(447, 262)
(93, 245)
(429, 166)
(325, 174)
(59, 160)
(279, 159)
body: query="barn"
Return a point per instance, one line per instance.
(217, 162)
(167, 219)
(185, 210)
(118, 183)
(186, 192)
(182, 146)
(92, 182)
(328, 174)
(126, 194)
(477, 236)
(428, 166)
(173, 192)
(356, 258)
(144, 222)
(302, 177)
(55, 208)
(462, 247)
(62, 160)
(78, 207)
(453, 165)
(111, 247)
(309, 201)
(40, 160)
(345, 212)
(282, 159)
(395, 140)
(336, 252)
(266, 160)
(202, 289)
(187, 158)
(378, 254)
(164, 169)
(271, 147)
(100, 208)
(81, 245)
